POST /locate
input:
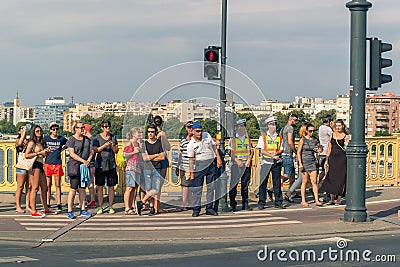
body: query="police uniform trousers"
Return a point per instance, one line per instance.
(275, 168)
(241, 174)
(207, 170)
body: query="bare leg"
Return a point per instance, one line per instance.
(111, 195)
(71, 197)
(303, 188)
(49, 184)
(127, 198)
(34, 180)
(100, 195)
(313, 177)
(57, 182)
(43, 191)
(21, 180)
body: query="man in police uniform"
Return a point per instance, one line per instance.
(270, 147)
(202, 152)
(241, 152)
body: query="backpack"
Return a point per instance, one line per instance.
(121, 160)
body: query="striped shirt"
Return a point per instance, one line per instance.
(184, 164)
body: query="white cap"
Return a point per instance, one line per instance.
(272, 119)
(54, 124)
(241, 122)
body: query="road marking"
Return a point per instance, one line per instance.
(182, 227)
(192, 222)
(383, 201)
(16, 259)
(207, 252)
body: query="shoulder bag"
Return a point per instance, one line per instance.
(73, 166)
(24, 163)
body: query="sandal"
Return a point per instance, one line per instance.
(318, 204)
(331, 202)
(337, 203)
(129, 212)
(304, 204)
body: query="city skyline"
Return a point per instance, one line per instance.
(102, 51)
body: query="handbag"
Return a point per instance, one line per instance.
(73, 166)
(24, 163)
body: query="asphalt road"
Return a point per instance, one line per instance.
(241, 252)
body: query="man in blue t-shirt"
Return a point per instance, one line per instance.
(53, 164)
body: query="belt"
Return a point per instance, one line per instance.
(286, 154)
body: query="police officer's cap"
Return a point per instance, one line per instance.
(241, 122)
(271, 120)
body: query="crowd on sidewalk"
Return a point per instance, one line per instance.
(93, 161)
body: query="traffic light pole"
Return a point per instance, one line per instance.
(356, 151)
(223, 179)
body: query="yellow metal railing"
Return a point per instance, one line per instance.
(382, 165)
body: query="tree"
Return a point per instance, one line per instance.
(382, 133)
(7, 127)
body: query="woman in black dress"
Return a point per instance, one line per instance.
(335, 181)
(307, 147)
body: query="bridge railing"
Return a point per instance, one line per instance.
(382, 165)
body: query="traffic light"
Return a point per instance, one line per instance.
(211, 59)
(377, 63)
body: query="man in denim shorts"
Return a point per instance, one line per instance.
(288, 138)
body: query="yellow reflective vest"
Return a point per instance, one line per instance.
(241, 150)
(271, 145)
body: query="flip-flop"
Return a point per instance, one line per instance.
(129, 212)
(304, 204)
(162, 211)
(17, 211)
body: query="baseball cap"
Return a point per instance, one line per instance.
(54, 124)
(189, 124)
(196, 125)
(88, 127)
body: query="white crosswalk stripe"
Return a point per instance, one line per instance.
(162, 222)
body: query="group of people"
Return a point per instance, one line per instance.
(92, 161)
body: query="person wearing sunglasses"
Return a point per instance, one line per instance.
(202, 152)
(289, 149)
(22, 175)
(105, 145)
(241, 151)
(80, 152)
(152, 155)
(307, 147)
(37, 148)
(53, 164)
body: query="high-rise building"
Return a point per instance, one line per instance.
(52, 111)
(382, 113)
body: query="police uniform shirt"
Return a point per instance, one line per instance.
(242, 140)
(269, 137)
(202, 150)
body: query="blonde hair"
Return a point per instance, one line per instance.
(303, 130)
(74, 124)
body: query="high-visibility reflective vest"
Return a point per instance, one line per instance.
(271, 145)
(241, 150)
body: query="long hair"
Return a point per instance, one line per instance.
(303, 130)
(343, 126)
(34, 138)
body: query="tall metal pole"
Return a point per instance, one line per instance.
(222, 103)
(356, 151)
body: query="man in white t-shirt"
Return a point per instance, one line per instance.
(204, 160)
(324, 133)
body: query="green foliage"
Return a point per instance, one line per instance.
(382, 133)
(116, 123)
(7, 127)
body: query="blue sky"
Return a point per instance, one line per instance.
(101, 50)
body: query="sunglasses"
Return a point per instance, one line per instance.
(198, 131)
(38, 131)
(105, 126)
(310, 131)
(81, 127)
(54, 129)
(151, 131)
(20, 129)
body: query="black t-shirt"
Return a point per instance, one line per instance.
(105, 160)
(152, 149)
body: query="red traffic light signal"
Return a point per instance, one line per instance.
(211, 59)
